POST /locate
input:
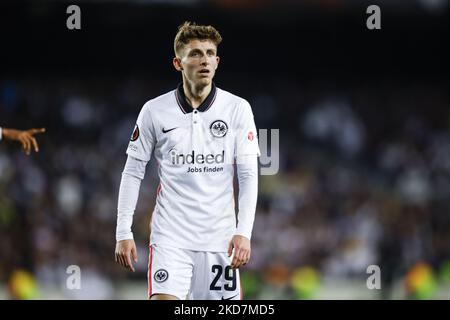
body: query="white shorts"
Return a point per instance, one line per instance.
(192, 275)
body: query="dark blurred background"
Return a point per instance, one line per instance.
(364, 120)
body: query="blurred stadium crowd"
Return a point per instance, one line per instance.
(364, 120)
(364, 179)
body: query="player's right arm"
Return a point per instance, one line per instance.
(130, 183)
(139, 152)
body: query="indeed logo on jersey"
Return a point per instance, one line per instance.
(196, 158)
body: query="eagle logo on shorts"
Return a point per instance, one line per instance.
(135, 134)
(219, 128)
(161, 275)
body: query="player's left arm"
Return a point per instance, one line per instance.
(247, 152)
(247, 172)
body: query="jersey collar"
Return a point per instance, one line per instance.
(186, 107)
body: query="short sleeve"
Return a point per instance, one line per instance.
(246, 134)
(142, 139)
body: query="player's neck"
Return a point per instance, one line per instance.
(196, 95)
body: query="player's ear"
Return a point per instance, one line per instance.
(177, 63)
(218, 60)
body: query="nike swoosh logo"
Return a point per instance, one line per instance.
(229, 297)
(165, 131)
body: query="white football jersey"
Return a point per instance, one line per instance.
(195, 150)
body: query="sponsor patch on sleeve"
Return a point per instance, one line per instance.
(135, 134)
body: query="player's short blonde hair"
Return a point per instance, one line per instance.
(190, 31)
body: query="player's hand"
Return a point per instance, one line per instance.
(25, 137)
(125, 251)
(241, 246)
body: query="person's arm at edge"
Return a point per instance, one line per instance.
(25, 137)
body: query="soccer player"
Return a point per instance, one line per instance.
(197, 133)
(25, 137)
